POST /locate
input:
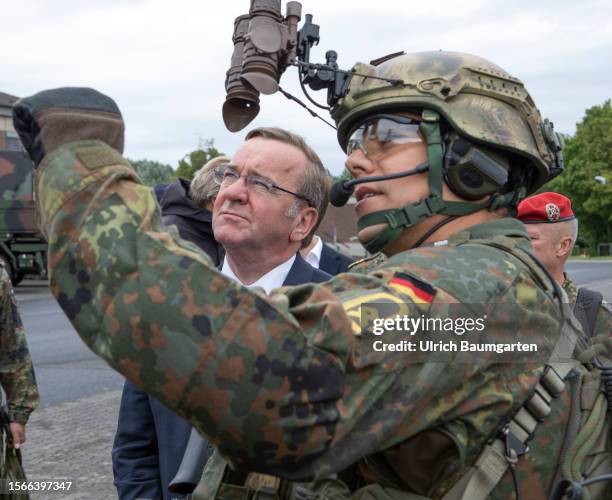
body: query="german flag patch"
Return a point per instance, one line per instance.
(420, 292)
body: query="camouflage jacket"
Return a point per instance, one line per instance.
(16, 371)
(603, 321)
(285, 384)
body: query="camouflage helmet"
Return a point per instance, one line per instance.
(479, 100)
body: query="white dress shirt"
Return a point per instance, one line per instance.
(271, 280)
(314, 256)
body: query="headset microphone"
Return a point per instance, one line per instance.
(341, 191)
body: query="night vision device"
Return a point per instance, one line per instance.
(266, 43)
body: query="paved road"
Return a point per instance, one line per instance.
(70, 436)
(66, 369)
(593, 274)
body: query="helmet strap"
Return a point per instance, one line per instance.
(397, 219)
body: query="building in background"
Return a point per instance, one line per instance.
(339, 230)
(9, 141)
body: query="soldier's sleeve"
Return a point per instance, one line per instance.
(16, 371)
(281, 385)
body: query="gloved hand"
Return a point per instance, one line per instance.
(55, 117)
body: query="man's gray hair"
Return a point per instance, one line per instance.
(570, 228)
(314, 183)
(203, 187)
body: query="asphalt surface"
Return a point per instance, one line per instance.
(70, 435)
(593, 274)
(65, 368)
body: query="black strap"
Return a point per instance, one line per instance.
(585, 310)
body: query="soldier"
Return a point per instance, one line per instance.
(289, 385)
(553, 229)
(16, 374)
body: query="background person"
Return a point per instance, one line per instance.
(322, 256)
(17, 380)
(553, 229)
(188, 206)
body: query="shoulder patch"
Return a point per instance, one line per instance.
(421, 292)
(353, 305)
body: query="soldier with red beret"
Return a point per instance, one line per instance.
(553, 228)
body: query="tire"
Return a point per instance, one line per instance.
(17, 278)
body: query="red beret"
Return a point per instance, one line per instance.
(545, 207)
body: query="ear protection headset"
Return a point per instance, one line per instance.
(473, 172)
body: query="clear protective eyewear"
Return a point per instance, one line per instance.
(226, 175)
(382, 133)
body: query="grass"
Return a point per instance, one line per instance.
(580, 257)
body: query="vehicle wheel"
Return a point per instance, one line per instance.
(17, 278)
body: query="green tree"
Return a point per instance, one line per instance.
(194, 161)
(589, 154)
(153, 173)
(345, 175)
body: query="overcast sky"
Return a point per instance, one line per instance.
(165, 62)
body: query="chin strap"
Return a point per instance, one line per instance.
(398, 219)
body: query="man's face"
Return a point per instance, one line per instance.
(244, 218)
(545, 241)
(383, 158)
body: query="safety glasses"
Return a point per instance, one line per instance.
(382, 133)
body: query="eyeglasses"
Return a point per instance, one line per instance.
(226, 175)
(382, 133)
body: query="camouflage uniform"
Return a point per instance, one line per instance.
(284, 385)
(368, 263)
(603, 323)
(289, 384)
(16, 371)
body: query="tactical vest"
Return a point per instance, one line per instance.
(588, 303)
(586, 451)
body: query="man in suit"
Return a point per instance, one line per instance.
(322, 256)
(268, 204)
(272, 197)
(151, 439)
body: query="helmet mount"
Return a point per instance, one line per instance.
(497, 148)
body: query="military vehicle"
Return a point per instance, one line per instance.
(22, 247)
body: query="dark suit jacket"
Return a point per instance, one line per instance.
(302, 272)
(333, 262)
(151, 440)
(149, 444)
